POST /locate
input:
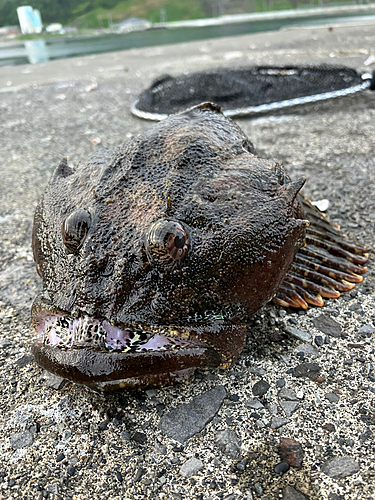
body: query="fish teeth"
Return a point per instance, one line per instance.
(87, 332)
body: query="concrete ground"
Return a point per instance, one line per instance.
(61, 108)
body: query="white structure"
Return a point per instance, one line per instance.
(133, 24)
(30, 20)
(55, 28)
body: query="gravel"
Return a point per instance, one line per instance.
(47, 113)
(298, 334)
(191, 467)
(308, 349)
(340, 467)
(289, 407)
(282, 467)
(260, 388)
(328, 325)
(289, 493)
(306, 369)
(228, 443)
(277, 422)
(186, 420)
(21, 439)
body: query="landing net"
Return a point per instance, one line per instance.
(249, 91)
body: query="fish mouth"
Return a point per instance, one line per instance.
(84, 332)
(106, 358)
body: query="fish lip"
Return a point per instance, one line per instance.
(87, 366)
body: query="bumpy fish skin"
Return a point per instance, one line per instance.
(153, 254)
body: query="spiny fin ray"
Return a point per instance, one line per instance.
(330, 263)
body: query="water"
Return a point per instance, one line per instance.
(37, 51)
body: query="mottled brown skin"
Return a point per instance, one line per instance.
(183, 220)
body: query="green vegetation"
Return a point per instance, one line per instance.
(100, 13)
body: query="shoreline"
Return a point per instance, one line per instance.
(45, 48)
(101, 66)
(265, 16)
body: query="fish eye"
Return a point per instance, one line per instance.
(74, 230)
(167, 241)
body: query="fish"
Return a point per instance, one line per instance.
(155, 253)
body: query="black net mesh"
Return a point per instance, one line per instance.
(239, 88)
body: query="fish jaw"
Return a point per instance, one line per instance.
(108, 360)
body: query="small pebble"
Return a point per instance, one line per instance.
(21, 440)
(287, 394)
(140, 472)
(365, 435)
(340, 467)
(327, 325)
(272, 408)
(54, 381)
(355, 306)
(289, 407)
(260, 388)
(289, 493)
(178, 449)
(332, 397)
(140, 437)
(191, 467)
(298, 334)
(285, 359)
(24, 360)
(308, 349)
(366, 330)
(125, 436)
(291, 452)
(52, 488)
(282, 467)
(184, 421)
(160, 448)
(228, 443)
(254, 404)
(309, 370)
(319, 341)
(241, 466)
(103, 425)
(258, 488)
(329, 427)
(151, 393)
(71, 471)
(277, 422)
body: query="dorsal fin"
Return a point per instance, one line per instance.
(63, 169)
(209, 106)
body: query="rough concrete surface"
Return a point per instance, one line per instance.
(62, 441)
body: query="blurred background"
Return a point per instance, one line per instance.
(42, 30)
